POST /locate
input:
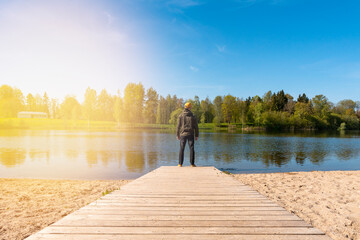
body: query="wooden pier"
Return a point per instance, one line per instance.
(181, 203)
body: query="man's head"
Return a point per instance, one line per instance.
(188, 105)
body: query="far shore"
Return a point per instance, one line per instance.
(330, 201)
(72, 124)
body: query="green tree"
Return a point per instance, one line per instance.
(302, 114)
(119, 109)
(290, 105)
(180, 103)
(267, 100)
(206, 108)
(303, 98)
(195, 107)
(38, 103)
(229, 108)
(276, 120)
(134, 102)
(171, 104)
(243, 111)
(45, 104)
(346, 107)
(105, 106)
(321, 106)
(174, 116)
(278, 101)
(255, 110)
(30, 103)
(11, 101)
(258, 110)
(89, 104)
(151, 102)
(54, 109)
(218, 114)
(70, 108)
(161, 111)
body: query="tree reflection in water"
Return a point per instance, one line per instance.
(92, 157)
(152, 159)
(143, 151)
(345, 152)
(135, 161)
(10, 157)
(318, 153)
(72, 154)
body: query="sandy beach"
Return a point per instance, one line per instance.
(330, 201)
(29, 205)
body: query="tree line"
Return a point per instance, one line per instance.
(139, 105)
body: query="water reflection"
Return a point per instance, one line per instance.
(346, 153)
(72, 154)
(92, 157)
(152, 159)
(135, 153)
(318, 153)
(300, 153)
(12, 157)
(135, 161)
(36, 155)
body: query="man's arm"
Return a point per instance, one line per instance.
(178, 127)
(196, 128)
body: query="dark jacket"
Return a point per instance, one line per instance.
(187, 124)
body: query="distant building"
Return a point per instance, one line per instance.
(32, 115)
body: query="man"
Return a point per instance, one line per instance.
(186, 128)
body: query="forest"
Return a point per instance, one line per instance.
(273, 110)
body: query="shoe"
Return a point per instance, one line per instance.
(179, 165)
(193, 165)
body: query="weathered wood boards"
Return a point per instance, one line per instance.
(177, 203)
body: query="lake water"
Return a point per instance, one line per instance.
(130, 154)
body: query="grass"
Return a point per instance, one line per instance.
(63, 124)
(107, 191)
(39, 123)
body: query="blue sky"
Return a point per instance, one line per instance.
(187, 48)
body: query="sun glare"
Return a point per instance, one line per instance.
(63, 48)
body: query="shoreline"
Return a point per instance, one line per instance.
(328, 200)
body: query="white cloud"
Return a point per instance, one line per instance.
(221, 48)
(110, 18)
(183, 3)
(248, 3)
(194, 69)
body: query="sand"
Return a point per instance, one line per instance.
(330, 201)
(29, 205)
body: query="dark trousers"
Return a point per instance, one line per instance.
(183, 140)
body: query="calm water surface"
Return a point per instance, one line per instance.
(130, 154)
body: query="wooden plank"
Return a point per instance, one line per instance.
(180, 208)
(177, 203)
(42, 236)
(81, 217)
(182, 230)
(184, 212)
(180, 201)
(190, 197)
(197, 205)
(180, 223)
